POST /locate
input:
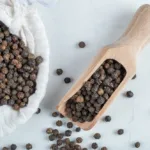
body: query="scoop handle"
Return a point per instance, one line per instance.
(137, 34)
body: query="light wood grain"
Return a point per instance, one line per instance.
(124, 51)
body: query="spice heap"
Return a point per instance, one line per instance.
(90, 99)
(18, 70)
(63, 140)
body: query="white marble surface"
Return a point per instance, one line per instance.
(97, 23)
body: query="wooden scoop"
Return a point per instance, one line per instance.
(124, 51)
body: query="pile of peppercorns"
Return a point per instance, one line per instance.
(63, 140)
(90, 99)
(14, 147)
(18, 70)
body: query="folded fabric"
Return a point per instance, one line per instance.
(25, 22)
(47, 3)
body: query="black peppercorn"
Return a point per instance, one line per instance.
(107, 118)
(54, 147)
(74, 118)
(79, 140)
(20, 95)
(63, 148)
(59, 71)
(49, 130)
(16, 107)
(32, 76)
(81, 44)
(28, 146)
(55, 132)
(38, 111)
(61, 116)
(69, 124)
(67, 80)
(1, 35)
(77, 147)
(39, 60)
(78, 129)
(68, 133)
(6, 33)
(129, 94)
(100, 91)
(104, 148)
(22, 104)
(97, 136)
(29, 83)
(55, 114)
(94, 146)
(137, 144)
(134, 77)
(52, 137)
(67, 141)
(59, 123)
(13, 147)
(60, 136)
(5, 148)
(59, 142)
(11, 102)
(91, 109)
(19, 88)
(120, 131)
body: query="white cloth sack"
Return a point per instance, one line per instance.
(24, 21)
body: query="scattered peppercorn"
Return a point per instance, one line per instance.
(60, 136)
(67, 141)
(54, 147)
(38, 111)
(55, 114)
(68, 133)
(81, 44)
(55, 132)
(79, 140)
(97, 136)
(129, 94)
(107, 118)
(61, 116)
(39, 60)
(78, 129)
(28, 146)
(137, 144)
(63, 148)
(52, 137)
(49, 130)
(59, 71)
(72, 144)
(104, 148)
(59, 142)
(13, 147)
(67, 80)
(5, 148)
(77, 147)
(134, 77)
(69, 124)
(120, 131)
(59, 123)
(94, 145)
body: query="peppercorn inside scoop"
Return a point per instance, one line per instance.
(86, 103)
(18, 70)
